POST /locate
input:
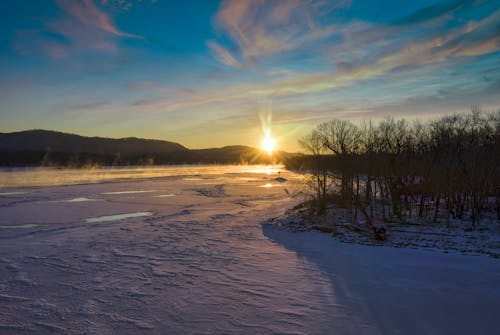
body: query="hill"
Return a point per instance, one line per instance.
(52, 148)
(47, 140)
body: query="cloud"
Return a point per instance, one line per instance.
(474, 39)
(457, 45)
(442, 102)
(124, 5)
(54, 50)
(87, 13)
(223, 55)
(83, 27)
(434, 11)
(80, 38)
(365, 53)
(260, 28)
(30, 42)
(89, 105)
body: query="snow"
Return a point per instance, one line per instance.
(204, 261)
(116, 217)
(455, 236)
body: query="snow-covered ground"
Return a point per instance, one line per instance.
(186, 252)
(455, 236)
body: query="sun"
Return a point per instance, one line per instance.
(268, 144)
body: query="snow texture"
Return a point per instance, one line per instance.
(202, 262)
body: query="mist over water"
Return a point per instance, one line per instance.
(32, 177)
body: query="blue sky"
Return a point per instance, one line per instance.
(206, 73)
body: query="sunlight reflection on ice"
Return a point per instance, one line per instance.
(11, 193)
(269, 185)
(266, 170)
(117, 217)
(80, 200)
(128, 192)
(164, 195)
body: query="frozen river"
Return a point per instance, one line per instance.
(183, 250)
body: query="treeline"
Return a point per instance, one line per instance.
(397, 170)
(50, 158)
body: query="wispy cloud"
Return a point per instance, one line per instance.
(434, 11)
(384, 55)
(89, 105)
(223, 55)
(365, 52)
(373, 49)
(259, 28)
(124, 5)
(89, 14)
(31, 42)
(361, 50)
(84, 26)
(87, 108)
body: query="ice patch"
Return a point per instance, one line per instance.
(269, 185)
(21, 226)
(164, 195)
(80, 200)
(117, 217)
(11, 193)
(130, 192)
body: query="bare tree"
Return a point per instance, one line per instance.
(443, 169)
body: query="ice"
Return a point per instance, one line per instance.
(80, 200)
(11, 193)
(20, 226)
(269, 185)
(203, 262)
(130, 192)
(117, 217)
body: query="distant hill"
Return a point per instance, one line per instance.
(52, 148)
(47, 140)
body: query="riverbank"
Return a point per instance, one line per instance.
(456, 236)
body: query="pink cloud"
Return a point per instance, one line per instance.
(264, 27)
(84, 26)
(55, 50)
(83, 38)
(89, 14)
(223, 55)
